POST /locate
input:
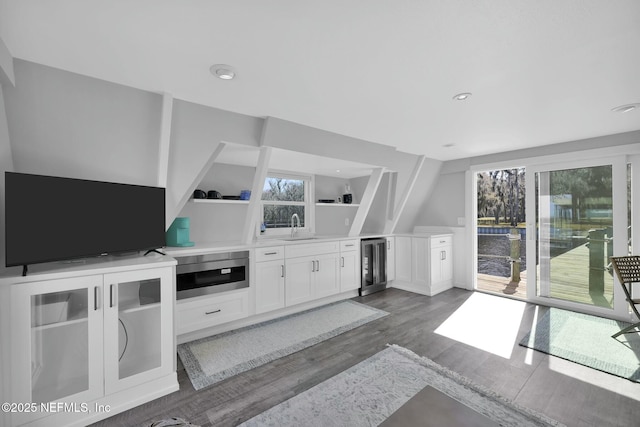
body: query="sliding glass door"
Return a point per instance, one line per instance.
(576, 220)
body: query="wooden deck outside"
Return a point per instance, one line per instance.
(569, 280)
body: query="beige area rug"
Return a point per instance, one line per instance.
(213, 359)
(371, 391)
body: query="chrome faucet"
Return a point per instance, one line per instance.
(294, 228)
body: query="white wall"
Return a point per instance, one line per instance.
(293, 136)
(196, 132)
(330, 219)
(229, 180)
(447, 202)
(419, 196)
(60, 123)
(70, 125)
(6, 164)
(6, 156)
(377, 215)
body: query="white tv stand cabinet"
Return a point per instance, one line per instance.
(80, 342)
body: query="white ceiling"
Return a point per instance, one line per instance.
(541, 71)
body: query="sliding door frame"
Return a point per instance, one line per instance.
(621, 154)
(619, 205)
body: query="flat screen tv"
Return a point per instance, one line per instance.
(52, 218)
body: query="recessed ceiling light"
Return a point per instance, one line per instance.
(222, 71)
(337, 170)
(462, 96)
(625, 108)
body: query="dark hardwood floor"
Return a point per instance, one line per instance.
(568, 392)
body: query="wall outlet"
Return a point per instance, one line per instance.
(346, 221)
(461, 220)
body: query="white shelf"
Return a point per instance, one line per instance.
(60, 324)
(221, 201)
(346, 205)
(133, 306)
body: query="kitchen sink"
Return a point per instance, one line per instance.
(293, 239)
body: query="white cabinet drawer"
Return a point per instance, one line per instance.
(203, 312)
(438, 241)
(309, 249)
(349, 245)
(269, 254)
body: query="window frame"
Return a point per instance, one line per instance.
(309, 206)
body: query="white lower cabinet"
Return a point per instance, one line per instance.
(194, 314)
(311, 271)
(269, 286)
(269, 282)
(403, 258)
(391, 259)
(326, 276)
(429, 261)
(300, 279)
(349, 265)
(88, 339)
(441, 263)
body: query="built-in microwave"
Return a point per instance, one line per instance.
(211, 273)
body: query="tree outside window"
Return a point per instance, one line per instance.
(281, 198)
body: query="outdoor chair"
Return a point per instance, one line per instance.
(627, 269)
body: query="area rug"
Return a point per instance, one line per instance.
(216, 358)
(586, 340)
(369, 392)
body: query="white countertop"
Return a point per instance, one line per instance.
(80, 267)
(211, 247)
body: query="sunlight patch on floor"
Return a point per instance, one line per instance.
(528, 357)
(486, 322)
(603, 380)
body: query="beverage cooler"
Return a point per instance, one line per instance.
(374, 265)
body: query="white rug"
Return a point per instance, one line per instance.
(369, 392)
(216, 358)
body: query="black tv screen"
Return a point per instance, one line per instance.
(51, 218)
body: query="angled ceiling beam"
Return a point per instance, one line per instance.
(365, 203)
(390, 224)
(165, 139)
(251, 220)
(7, 76)
(197, 180)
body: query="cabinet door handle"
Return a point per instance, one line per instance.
(349, 245)
(214, 311)
(318, 265)
(443, 255)
(95, 298)
(342, 261)
(111, 295)
(282, 270)
(270, 253)
(313, 266)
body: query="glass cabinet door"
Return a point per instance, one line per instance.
(59, 344)
(58, 336)
(138, 326)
